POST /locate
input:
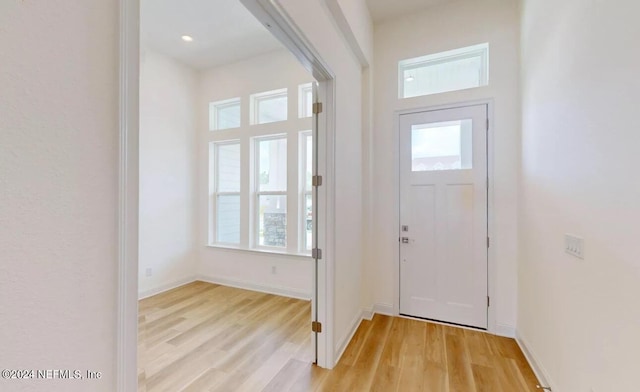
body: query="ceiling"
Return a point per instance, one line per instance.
(388, 9)
(223, 31)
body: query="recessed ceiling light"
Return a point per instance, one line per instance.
(187, 38)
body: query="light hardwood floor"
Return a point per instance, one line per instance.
(205, 337)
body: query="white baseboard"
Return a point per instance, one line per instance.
(379, 308)
(508, 331)
(344, 342)
(240, 284)
(367, 314)
(165, 287)
(385, 309)
(539, 370)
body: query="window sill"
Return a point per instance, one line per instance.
(259, 251)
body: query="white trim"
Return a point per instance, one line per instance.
(262, 250)
(534, 361)
(386, 309)
(367, 314)
(241, 284)
(508, 331)
(303, 192)
(282, 26)
(492, 269)
(127, 301)
(378, 308)
(492, 325)
(303, 105)
(344, 342)
(166, 287)
(326, 236)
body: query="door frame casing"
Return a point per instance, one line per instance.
(128, 183)
(126, 378)
(491, 268)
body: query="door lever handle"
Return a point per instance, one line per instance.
(405, 240)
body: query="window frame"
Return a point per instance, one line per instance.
(303, 90)
(249, 199)
(303, 192)
(214, 117)
(215, 193)
(257, 98)
(255, 210)
(468, 52)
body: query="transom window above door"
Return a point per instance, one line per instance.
(452, 70)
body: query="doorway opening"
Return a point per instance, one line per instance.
(280, 227)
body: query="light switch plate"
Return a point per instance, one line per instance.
(574, 245)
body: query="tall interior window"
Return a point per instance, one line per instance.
(271, 191)
(226, 192)
(260, 190)
(306, 197)
(453, 70)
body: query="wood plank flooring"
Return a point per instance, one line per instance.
(206, 337)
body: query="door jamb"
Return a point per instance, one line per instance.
(127, 301)
(491, 268)
(275, 18)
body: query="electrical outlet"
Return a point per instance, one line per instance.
(574, 245)
(148, 272)
(273, 270)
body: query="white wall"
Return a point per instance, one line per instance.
(354, 21)
(581, 318)
(58, 190)
(441, 28)
(314, 20)
(167, 172)
(275, 70)
(357, 14)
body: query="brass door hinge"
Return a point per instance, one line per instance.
(316, 326)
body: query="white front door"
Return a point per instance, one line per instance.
(443, 215)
